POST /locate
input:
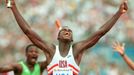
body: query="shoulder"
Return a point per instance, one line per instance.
(52, 48)
(77, 47)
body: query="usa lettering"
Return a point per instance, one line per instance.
(62, 64)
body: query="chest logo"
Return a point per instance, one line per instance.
(63, 64)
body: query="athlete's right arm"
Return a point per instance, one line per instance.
(10, 67)
(28, 31)
(120, 49)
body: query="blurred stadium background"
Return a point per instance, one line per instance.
(84, 17)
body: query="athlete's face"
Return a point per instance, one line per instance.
(32, 55)
(65, 34)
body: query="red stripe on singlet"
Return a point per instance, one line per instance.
(73, 67)
(52, 67)
(74, 73)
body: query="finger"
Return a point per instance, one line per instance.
(117, 43)
(114, 44)
(6, 1)
(126, 1)
(10, 1)
(123, 44)
(122, 5)
(114, 47)
(125, 5)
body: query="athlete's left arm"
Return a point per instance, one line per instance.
(83, 45)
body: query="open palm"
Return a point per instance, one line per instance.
(119, 47)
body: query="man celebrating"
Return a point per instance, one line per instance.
(65, 57)
(30, 66)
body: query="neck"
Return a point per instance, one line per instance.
(29, 64)
(64, 48)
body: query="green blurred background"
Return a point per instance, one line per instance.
(84, 17)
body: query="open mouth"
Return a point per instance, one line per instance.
(34, 57)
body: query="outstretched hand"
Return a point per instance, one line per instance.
(10, 3)
(119, 47)
(123, 7)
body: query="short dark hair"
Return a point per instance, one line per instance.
(29, 46)
(63, 28)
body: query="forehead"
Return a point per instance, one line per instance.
(32, 48)
(65, 28)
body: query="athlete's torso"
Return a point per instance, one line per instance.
(26, 70)
(63, 65)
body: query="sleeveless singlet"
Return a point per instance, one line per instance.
(63, 65)
(26, 71)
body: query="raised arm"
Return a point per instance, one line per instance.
(120, 49)
(27, 30)
(10, 67)
(83, 45)
(43, 65)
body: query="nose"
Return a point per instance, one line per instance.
(34, 53)
(67, 33)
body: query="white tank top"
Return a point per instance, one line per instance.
(63, 65)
